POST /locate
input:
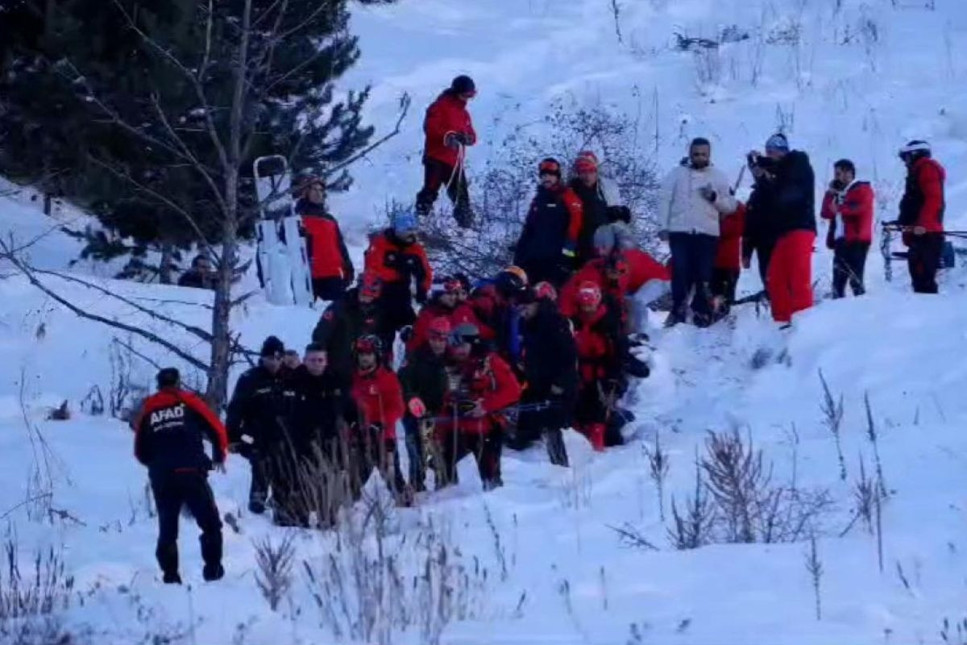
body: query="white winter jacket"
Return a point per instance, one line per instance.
(683, 209)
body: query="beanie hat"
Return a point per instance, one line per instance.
(272, 347)
(404, 223)
(168, 377)
(917, 146)
(586, 161)
(549, 166)
(463, 84)
(778, 141)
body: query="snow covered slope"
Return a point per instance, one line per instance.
(540, 561)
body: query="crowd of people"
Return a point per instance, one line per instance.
(468, 366)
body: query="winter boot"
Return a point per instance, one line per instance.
(171, 578)
(463, 215)
(213, 572)
(167, 555)
(675, 316)
(556, 451)
(596, 436)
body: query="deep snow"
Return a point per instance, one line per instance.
(558, 572)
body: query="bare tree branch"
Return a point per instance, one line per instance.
(405, 102)
(28, 273)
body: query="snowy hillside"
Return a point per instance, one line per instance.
(544, 560)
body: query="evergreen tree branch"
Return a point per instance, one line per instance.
(162, 198)
(29, 273)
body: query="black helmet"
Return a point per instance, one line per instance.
(511, 281)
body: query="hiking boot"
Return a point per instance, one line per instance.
(257, 507)
(213, 572)
(171, 578)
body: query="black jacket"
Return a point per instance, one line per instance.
(342, 323)
(761, 230)
(544, 235)
(322, 405)
(424, 375)
(262, 406)
(549, 352)
(169, 430)
(595, 215)
(196, 280)
(795, 194)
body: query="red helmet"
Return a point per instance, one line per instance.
(452, 285)
(368, 344)
(370, 285)
(549, 166)
(440, 328)
(545, 291)
(589, 295)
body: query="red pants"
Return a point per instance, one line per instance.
(789, 280)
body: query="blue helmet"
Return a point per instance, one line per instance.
(404, 223)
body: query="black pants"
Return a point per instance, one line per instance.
(258, 493)
(328, 288)
(415, 452)
(693, 255)
(436, 174)
(191, 489)
(923, 259)
(485, 448)
(849, 264)
(369, 450)
(763, 253)
(397, 306)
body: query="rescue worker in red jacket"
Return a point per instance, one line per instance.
(169, 431)
(449, 131)
(444, 304)
(379, 407)
(609, 271)
(482, 385)
(547, 247)
(727, 266)
(399, 261)
(331, 269)
(600, 346)
(848, 205)
(921, 215)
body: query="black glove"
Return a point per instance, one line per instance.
(462, 137)
(452, 140)
(421, 296)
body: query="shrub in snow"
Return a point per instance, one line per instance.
(274, 562)
(31, 593)
(501, 193)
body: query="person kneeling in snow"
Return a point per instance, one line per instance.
(550, 373)
(601, 347)
(168, 440)
(379, 407)
(481, 385)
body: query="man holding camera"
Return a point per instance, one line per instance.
(788, 176)
(693, 197)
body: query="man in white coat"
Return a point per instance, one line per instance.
(693, 197)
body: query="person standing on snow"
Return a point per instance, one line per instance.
(596, 198)
(449, 130)
(550, 373)
(921, 215)
(379, 407)
(547, 247)
(760, 230)
(399, 261)
(360, 313)
(791, 178)
(848, 205)
(330, 266)
(482, 385)
(169, 431)
(728, 261)
(255, 416)
(692, 199)
(423, 377)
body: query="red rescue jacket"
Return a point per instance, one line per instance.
(379, 399)
(856, 211)
(489, 380)
(394, 262)
(728, 256)
(462, 313)
(447, 114)
(594, 271)
(642, 269)
(169, 429)
(596, 339)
